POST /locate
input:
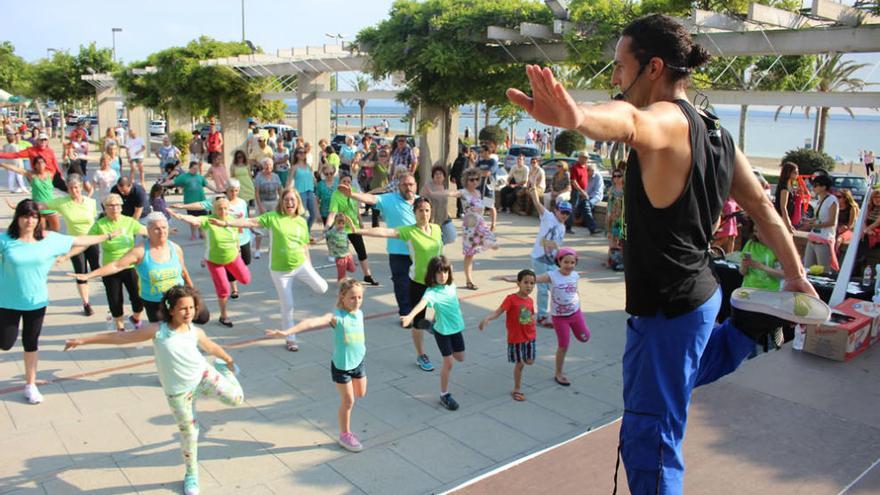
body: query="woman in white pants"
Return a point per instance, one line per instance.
(289, 252)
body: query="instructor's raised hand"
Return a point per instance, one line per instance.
(550, 103)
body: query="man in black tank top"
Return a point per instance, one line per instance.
(679, 174)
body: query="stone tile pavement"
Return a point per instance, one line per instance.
(105, 428)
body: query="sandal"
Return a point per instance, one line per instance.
(226, 322)
(564, 382)
(292, 346)
(545, 322)
(518, 396)
(471, 286)
(234, 295)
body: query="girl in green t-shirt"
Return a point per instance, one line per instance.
(224, 254)
(759, 266)
(347, 361)
(42, 189)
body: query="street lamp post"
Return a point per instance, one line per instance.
(242, 20)
(114, 31)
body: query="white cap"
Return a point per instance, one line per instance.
(42, 135)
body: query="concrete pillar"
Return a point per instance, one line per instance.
(313, 113)
(107, 99)
(439, 144)
(139, 120)
(178, 119)
(234, 127)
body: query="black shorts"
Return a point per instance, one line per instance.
(357, 241)
(343, 376)
(449, 343)
(523, 351)
(32, 325)
(198, 213)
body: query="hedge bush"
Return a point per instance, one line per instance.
(809, 161)
(567, 142)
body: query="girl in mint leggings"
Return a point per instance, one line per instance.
(183, 370)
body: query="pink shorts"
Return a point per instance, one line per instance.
(344, 264)
(236, 268)
(566, 325)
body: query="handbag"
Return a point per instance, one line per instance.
(447, 232)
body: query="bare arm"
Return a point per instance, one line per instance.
(189, 219)
(654, 128)
(493, 315)
(115, 338)
(748, 193)
(308, 324)
(242, 223)
(91, 240)
(187, 206)
(539, 205)
(18, 170)
(407, 320)
(380, 232)
(133, 256)
(214, 349)
(365, 198)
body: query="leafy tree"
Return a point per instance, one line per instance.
(511, 115)
(809, 161)
(14, 71)
(438, 46)
(567, 142)
(493, 133)
(181, 82)
(181, 138)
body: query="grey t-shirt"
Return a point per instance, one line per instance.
(267, 188)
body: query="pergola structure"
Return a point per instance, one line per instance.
(304, 73)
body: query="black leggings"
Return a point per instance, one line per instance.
(113, 288)
(88, 257)
(416, 291)
(33, 325)
(357, 241)
(153, 315)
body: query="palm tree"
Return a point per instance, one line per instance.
(361, 83)
(834, 75)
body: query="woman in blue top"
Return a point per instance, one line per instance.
(27, 253)
(183, 371)
(304, 182)
(159, 264)
(347, 364)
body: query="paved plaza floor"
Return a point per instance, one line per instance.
(105, 426)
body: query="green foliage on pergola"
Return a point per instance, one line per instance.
(438, 46)
(180, 82)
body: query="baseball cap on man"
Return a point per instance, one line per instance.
(564, 206)
(42, 135)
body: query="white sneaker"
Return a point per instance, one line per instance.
(32, 394)
(257, 255)
(795, 307)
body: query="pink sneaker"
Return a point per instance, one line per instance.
(349, 441)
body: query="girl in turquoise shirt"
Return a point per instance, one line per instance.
(347, 363)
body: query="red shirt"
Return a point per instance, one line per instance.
(520, 318)
(35, 151)
(215, 142)
(578, 174)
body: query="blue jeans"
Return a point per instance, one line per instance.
(543, 289)
(581, 208)
(308, 199)
(664, 359)
(399, 264)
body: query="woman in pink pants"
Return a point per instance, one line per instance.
(223, 256)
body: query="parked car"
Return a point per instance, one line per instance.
(856, 184)
(123, 123)
(516, 150)
(157, 127)
(285, 131)
(72, 119)
(337, 141)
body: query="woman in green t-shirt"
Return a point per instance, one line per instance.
(224, 254)
(42, 189)
(424, 240)
(289, 255)
(78, 212)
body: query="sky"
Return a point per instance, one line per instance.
(152, 25)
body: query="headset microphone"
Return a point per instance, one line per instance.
(622, 95)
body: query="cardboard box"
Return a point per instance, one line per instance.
(844, 340)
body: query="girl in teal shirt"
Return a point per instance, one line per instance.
(347, 363)
(449, 322)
